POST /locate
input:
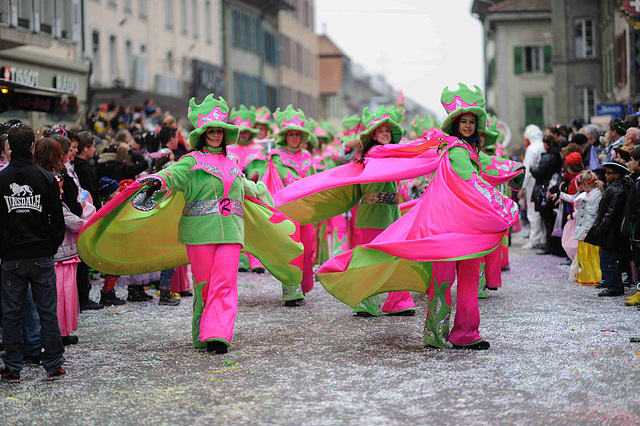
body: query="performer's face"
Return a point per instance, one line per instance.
(382, 135)
(263, 130)
(293, 138)
(244, 136)
(214, 136)
(467, 125)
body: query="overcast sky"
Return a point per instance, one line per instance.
(419, 45)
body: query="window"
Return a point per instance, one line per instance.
(532, 59)
(299, 59)
(112, 3)
(169, 64)
(186, 68)
(247, 89)
(208, 25)
(271, 48)
(608, 70)
(168, 14)
(534, 110)
(4, 12)
(271, 97)
(142, 9)
(65, 19)
(620, 53)
(96, 75)
(183, 16)
(113, 59)
(583, 38)
(46, 16)
(195, 13)
(25, 11)
(128, 58)
(284, 50)
(586, 103)
(128, 6)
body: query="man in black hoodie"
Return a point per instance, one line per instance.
(32, 229)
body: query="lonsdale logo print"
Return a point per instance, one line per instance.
(22, 199)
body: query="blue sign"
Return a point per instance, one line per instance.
(616, 110)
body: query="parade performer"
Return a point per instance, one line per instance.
(265, 128)
(287, 163)
(460, 218)
(202, 202)
(251, 159)
(378, 207)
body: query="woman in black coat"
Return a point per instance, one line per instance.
(547, 174)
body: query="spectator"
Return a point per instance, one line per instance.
(587, 140)
(606, 231)
(632, 217)
(632, 137)
(631, 120)
(120, 162)
(537, 234)
(33, 228)
(616, 133)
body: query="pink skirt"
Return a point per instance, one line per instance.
(182, 280)
(68, 306)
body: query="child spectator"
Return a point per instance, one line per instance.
(588, 202)
(606, 231)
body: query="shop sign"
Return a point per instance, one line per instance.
(20, 75)
(66, 83)
(207, 78)
(30, 102)
(615, 110)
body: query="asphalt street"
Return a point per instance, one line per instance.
(559, 355)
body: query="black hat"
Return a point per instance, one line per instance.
(617, 167)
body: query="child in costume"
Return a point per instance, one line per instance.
(378, 207)
(588, 201)
(287, 163)
(66, 261)
(215, 203)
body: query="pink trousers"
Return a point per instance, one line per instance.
(493, 268)
(181, 280)
(67, 296)
(254, 262)
(308, 240)
(467, 319)
(397, 301)
(215, 268)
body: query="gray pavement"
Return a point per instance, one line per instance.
(559, 355)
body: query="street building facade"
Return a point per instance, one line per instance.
(43, 77)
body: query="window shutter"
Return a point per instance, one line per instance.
(546, 53)
(518, 59)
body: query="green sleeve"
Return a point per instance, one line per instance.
(461, 162)
(485, 161)
(176, 176)
(257, 190)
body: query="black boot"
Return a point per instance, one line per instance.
(108, 298)
(167, 299)
(137, 294)
(216, 347)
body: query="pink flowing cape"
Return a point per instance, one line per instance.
(324, 195)
(122, 240)
(454, 219)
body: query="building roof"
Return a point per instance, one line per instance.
(521, 6)
(326, 47)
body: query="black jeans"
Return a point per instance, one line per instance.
(610, 266)
(82, 282)
(16, 276)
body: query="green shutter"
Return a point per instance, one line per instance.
(534, 111)
(517, 57)
(547, 59)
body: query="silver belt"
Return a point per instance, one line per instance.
(388, 198)
(224, 206)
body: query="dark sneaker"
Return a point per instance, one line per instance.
(167, 299)
(69, 340)
(56, 374)
(216, 347)
(601, 284)
(90, 305)
(9, 377)
(186, 294)
(108, 298)
(32, 359)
